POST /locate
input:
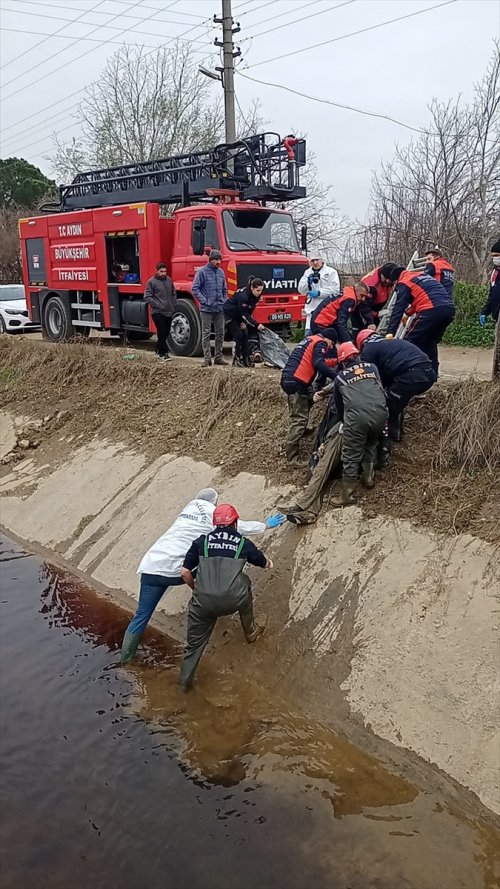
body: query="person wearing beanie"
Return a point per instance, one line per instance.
(361, 406)
(210, 289)
(492, 305)
(431, 305)
(380, 284)
(439, 268)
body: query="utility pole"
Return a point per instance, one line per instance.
(228, 56)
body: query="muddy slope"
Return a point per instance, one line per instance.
(237, 420)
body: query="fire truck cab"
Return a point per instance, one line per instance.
(87, 260)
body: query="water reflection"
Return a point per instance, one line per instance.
(119, 779)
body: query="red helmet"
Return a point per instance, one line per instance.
(363, 336)
(225, 515)
(346, 350)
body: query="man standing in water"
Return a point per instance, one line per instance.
(221, 586)
(161, 566)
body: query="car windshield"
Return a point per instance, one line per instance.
(11, 293)
(260, 230)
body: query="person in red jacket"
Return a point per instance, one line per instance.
(420, 295)
(439, 268)
(315, 354)
(380, 284)
(334, 312)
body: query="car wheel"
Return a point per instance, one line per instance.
(57, 321)
(185, 333)
(3, 326)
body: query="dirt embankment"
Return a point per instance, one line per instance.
(445, 474)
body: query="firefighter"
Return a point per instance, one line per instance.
(314, 355)
(238, 310)
(404, 369)
(161, 566)
(317, 282)
(380, 284)
(439, 268)
(361, 407)
(432, 306)
(492, 306)
(335, 312)
(221, 586)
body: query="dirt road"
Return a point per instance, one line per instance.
(457, 362)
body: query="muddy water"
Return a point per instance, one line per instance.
(113, 778)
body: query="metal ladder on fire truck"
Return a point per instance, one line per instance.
(261, 167)
(416, 263)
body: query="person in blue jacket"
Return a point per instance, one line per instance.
(210, 289)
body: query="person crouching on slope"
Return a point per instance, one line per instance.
(361, 405)
(220, 587)
(312, 356)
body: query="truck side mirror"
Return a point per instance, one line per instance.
(303, 238)
(198, 239)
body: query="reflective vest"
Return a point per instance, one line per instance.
(327, 312)
(426, 292)
(372, 279)
(445, 273)
(304, 371)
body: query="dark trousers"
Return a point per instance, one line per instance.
(428, 329)
(240, 339)
(163, 323)
(412, 382)
(203, 612)
(360, 439)
(217, 320)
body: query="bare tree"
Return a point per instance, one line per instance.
(443, 187)
(143, 107)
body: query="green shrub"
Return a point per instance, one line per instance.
(466, 330)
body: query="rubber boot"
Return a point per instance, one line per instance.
(302, 517)
(368, 475)
(129, 646)
(347, 495)
(383, 451)
(252, 628)
(293, 457)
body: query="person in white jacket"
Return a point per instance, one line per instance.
(318, 281)
(161, 566)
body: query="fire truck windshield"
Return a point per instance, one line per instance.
(263, 230)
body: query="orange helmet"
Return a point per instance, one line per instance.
(225, 515)
(363, 336)
(346, 350)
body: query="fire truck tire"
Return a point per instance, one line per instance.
(57, 323)
(185, 333)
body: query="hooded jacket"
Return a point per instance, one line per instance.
(166, 556)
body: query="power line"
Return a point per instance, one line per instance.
(45, 39)
(82, 89)
(296, 21)
(65, 48)
(352, 34)
(102, 25)
(125, 15)
(94, 39)
(329, 102)
(280, 15)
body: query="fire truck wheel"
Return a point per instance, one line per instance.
(185, 333)
(57, 319)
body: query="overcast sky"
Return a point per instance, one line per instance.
(394, 70)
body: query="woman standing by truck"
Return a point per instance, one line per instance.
(238, 311)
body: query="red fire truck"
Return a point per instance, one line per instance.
(87, 260)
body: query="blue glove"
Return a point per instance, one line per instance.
(313, 293)
(274, 521)
(483, 319)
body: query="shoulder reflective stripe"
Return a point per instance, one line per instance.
(205, 547)
(240, 547)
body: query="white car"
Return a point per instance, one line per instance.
(13, 311)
